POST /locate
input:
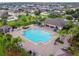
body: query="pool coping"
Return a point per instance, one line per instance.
(51, 32)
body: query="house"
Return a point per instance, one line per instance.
(3, 13)
(59, 22)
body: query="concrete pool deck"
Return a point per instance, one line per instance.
(42, 48)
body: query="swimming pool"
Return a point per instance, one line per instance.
(37, 35)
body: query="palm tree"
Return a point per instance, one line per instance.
(74, 30)
(4, 19)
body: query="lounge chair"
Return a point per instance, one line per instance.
(33, 53)
(47, 25)
(25, 27)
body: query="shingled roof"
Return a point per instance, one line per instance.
(55, 21)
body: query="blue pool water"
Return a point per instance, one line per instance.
(37, 35)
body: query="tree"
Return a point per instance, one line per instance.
(74, 30)
(53, 15)
(69, 25)
(69, 17)
(62, 32)
(70, 12)
(78, 19)
(10, 46)
(75, 15)
(4, 18)
(77, 10)
(8, 36)
(74, 45)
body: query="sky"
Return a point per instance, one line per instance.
(39, 0)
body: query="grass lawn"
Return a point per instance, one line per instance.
(1, 23)
(11, 23)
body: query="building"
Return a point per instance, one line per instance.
(3, 13)
(59, 22)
